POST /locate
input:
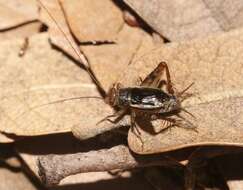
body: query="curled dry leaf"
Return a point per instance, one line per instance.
(189, 19)
(92, 20)
(14, 13)
(215, 66)
(43, 75)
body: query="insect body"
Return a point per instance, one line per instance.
(148, 98)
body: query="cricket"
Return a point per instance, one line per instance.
(148, 98)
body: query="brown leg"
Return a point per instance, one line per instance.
(188, 125)
(183, 92)
(173, 122)
(133, 124)
(153, 79)
(119, 114)
(134, 127)
(168, 83)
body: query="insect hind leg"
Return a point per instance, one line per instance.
(134, 128)
(185, 123)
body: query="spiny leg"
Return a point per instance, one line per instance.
(169, 86)
(137, 133)
(189, 125)
(119, 114)
(133, 124)
(183, 95)
(167, 124)
(153, 79)
(173, 122)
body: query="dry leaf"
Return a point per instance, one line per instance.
(21, 32)
(53, 16)
(215, 66)
(108, 61)
(15, 12)
(43, 75)
(14, 180)
(92, 20)
(130, 41)
(187, 19)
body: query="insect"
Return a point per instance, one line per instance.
(146, 99)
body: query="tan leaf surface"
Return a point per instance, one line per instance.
(43, 75)
(187, 19)
(21, 32)
(92, 20)
(129, 42)
(15, 12)
(14, 180)
(108, 61)
(53, 16)
(215, 66)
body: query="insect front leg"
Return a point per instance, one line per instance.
(119, 114)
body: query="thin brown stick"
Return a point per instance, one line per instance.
(53, 168)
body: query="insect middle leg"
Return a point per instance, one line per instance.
(169, 122)
(134, 127)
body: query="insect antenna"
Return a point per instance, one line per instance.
(189, 113)
(65, 100)
(75, 48)
(59, 101)
(183, 91)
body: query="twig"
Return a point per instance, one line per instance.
(53, 168)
